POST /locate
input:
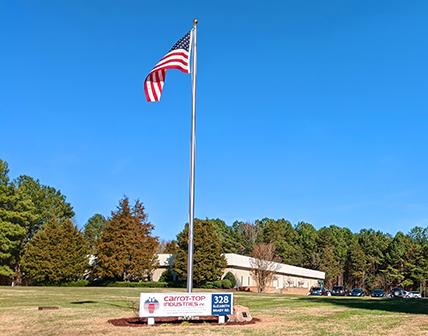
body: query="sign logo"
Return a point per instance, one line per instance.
(151, 305)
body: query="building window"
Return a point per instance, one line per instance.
(242, 280)
(249, 281)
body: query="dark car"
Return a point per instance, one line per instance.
(318, 291)
(377, 293)
(357, 292)
(397, 292)
(338, 291)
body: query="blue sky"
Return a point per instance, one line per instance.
(308, 110)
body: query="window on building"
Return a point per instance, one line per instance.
(249, 281)
(242, 280)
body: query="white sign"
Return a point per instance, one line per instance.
(184, 304)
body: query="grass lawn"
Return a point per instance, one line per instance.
(85, 311)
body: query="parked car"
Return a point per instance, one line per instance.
(318, 291)
(413, 295)
(397, 293)
(377, 292)
(357, 292)
(338, 291)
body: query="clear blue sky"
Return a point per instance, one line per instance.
(308, 110)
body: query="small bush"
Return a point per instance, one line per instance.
(226, 283)
(112, 283)
(167, 276)
(208, 285)
(231, 277)
(218, 283)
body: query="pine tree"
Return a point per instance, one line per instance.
(285, 238)
(171, 247)
(49, 203)
(93, 230)
(397, 262)
(208, 261)
(15, 218)
(330, 265)
(229, 242)
(126, 250)
(307, 242)
(56, 254)
(374, 245)
(356, 270)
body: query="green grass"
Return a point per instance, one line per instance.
(85, 311)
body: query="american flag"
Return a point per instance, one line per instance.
(177, 58)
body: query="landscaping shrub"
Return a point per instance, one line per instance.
(226, 283)
(229, 276)
(112, 283)
(77, 283)
(146, 284)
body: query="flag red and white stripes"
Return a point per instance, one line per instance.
(177, 58)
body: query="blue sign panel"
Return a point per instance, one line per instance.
(221, 304)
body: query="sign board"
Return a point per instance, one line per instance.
(185, 304)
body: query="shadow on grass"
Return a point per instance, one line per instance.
(126, 305)
(409, 306)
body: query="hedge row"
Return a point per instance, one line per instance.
(86, 283)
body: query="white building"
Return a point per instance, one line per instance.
(287, 278)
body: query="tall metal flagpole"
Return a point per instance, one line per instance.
(192, 164)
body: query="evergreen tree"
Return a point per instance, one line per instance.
(330, 265)
(208, 260)
(356, 270)
(49, 204)
(374, 245)
(126, 249)
(93, 229)
(335, 240)
(307, 241)
(15, 218)
(229, 242)
(171, 247)
(285, 238)
(56, 254)
(397, 261)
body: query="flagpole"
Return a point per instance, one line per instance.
(192, 164)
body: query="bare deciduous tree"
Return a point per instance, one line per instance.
(264, 263)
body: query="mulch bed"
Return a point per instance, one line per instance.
(142, 321)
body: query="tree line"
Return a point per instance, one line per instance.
(367, 259)
(40, 244)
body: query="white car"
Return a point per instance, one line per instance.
(413, 295)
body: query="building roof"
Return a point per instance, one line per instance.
(241, 261)
(237, 260)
